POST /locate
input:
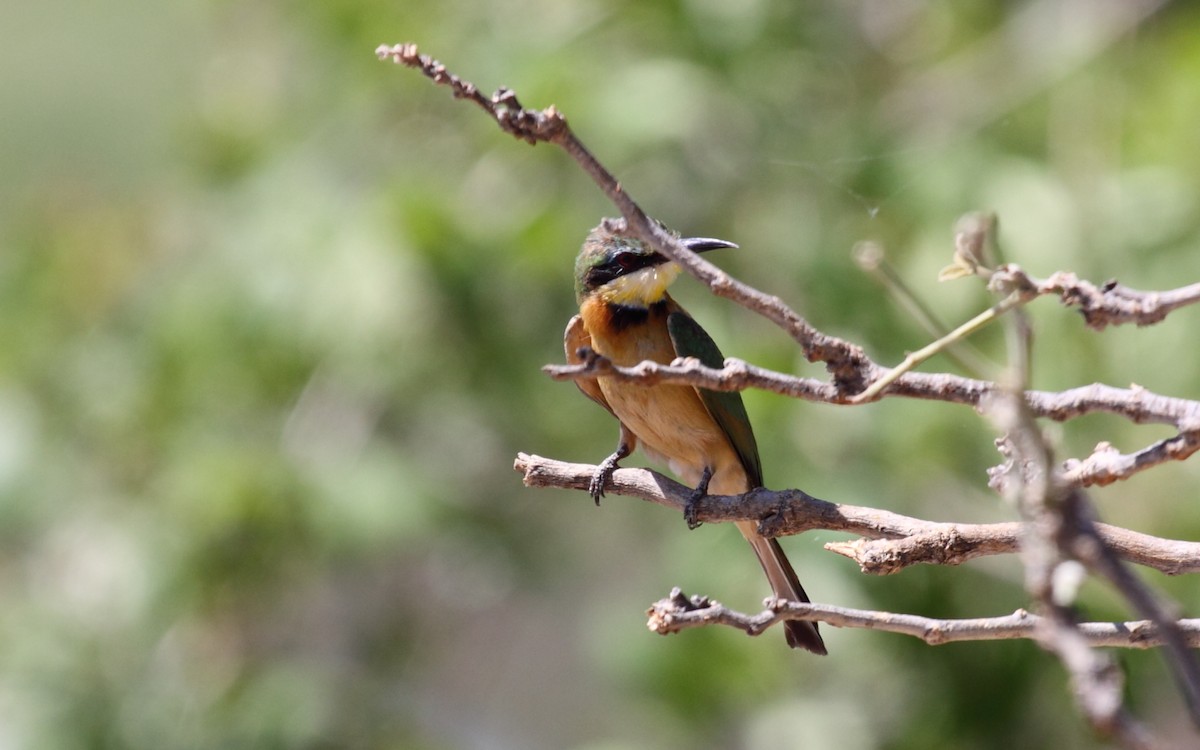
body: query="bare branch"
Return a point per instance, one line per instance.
(736, 375)
(1104, 466)
(1059, 528)
(954, 544)
(1097, 682)
(1061, 532)
(529, 125)
(846, 361)
(899, 540)
(679, 612)
(958, 335)
(1108, 304)
(851, 368)
(1107, 465)
(1089, 547)
(1134, 403)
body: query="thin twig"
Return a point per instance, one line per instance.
(950, 339)
(872, 259)
(679, 612)
(529, 125)
(1108, 304)
(1134, 403)
(1106, 464)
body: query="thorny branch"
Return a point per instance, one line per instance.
(1059, 529)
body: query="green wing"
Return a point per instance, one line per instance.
(726, 407)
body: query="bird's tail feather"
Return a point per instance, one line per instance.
(785, 585)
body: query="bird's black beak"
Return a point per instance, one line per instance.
(696, 245)
(704, 244)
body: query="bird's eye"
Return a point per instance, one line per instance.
(626, 260)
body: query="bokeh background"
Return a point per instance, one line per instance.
(272, 314)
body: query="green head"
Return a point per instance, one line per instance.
(624, 271)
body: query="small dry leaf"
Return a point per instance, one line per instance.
(955, 271)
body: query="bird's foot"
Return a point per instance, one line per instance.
(603, 474)
(691, 507)
(606, 468)
(689, 510)
(587, 356)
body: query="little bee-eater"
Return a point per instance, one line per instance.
(626, 315)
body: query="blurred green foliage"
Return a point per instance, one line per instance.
(273, 313)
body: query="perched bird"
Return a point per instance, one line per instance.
(626, 315)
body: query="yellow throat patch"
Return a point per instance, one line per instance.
(641, 288)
